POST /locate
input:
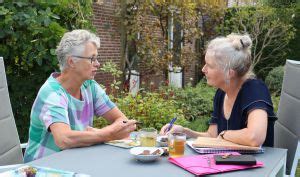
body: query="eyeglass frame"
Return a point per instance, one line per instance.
(93, 58)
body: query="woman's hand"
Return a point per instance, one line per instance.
(174, 129)
(122, 129)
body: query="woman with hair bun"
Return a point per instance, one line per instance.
(243, 109)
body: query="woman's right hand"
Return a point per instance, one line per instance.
(174, 129)
(122, 128)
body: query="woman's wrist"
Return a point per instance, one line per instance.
(222, 134)
(186, 131)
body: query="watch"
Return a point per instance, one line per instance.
(222, 134)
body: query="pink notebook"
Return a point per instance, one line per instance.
(205, 164)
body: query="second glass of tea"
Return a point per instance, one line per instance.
(176, 144)
(147, 137)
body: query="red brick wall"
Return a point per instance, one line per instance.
(107, 29)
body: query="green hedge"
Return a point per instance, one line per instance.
(192, 106)
(29, 33)
(149, 108)
(274, 80)
(196, 102)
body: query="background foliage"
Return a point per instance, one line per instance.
(197, 104)
(294, 52)
(274, 80)
(192, 106)
(149, 108)
(29, 33)
(148, 34)
(271, 30)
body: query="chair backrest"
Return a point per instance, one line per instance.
(287, 128)
(10, 150)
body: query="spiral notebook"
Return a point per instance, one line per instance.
(211, 150)
(205, 164)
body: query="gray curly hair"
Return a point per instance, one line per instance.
(233, 52)
(72, 43)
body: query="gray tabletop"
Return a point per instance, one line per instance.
(105, 160)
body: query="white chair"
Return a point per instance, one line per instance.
(287, 128)
(10, 149)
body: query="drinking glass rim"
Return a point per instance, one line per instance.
(178, 134)
(151, 129)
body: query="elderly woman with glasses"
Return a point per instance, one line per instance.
(242, 110)
(63, 111)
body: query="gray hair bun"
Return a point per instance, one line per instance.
(240, 42)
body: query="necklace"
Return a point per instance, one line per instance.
(227, 123)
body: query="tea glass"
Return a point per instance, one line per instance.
(176, 144)
(147, 137)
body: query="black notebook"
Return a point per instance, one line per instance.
(235, 159)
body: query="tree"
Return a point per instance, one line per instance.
(162, 32)
(270, 29)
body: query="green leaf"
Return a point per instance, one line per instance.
(55, 16)
(3, 10)
(52, 52)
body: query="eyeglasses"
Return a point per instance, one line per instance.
(93, 58)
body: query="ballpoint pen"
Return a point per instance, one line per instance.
(171, 124)
(138, 123)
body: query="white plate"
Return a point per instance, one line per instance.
(136, 151)
(162, 143)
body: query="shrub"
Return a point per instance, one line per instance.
(192, 106)
(196, 103)
(200, 125)
(275, 101)
(274, 79)
(149, 108)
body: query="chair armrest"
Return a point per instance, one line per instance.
(23, 145)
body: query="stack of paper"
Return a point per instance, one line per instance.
(125, 143)
(205, 145)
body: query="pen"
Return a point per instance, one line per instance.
(139, 123)
(171, 124)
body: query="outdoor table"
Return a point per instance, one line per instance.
(106, 160)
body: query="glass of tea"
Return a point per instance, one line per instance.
(176, 144)
(147, 137)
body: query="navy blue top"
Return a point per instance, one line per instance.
(253, 94)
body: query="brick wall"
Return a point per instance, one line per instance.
(108, 30)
